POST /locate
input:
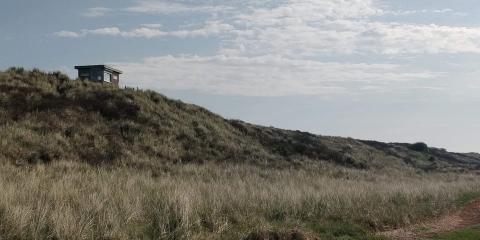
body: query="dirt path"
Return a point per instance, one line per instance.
(467, 217)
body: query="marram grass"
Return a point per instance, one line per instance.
(67, 200)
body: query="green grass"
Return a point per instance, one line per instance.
(465, 234)
(341, 230)
(467, 198)
(71, 200)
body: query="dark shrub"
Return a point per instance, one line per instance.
(419, 147)
(276, 235)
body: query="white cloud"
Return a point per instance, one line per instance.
(311, 11)
(210, 28)
(397, 38)
(302, 28)
(299, 28)
(97, 12)
(170, 7)
(152, 25)
(273, 49)
(67, 34)
(422, 11)
(445, 10)
(108, 31)
(297, 39)
(262, 76)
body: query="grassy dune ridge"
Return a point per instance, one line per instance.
(81, 160)
(47, 117)
(68, 200)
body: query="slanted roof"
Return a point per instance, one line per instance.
(105, 67)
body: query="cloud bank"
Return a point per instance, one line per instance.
(264, 76)
(299, 28)
(277, 48)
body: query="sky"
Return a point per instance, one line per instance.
(386, 70)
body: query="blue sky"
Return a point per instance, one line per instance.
(401, 71)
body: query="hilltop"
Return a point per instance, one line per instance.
(47, 117)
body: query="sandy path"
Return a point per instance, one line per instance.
(467, 217)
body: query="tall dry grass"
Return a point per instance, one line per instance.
(67, 200)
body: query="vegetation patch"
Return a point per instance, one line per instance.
(71, 200)
(278, 235)
(465, 234)
(335, 229)
(467, 198)
(419, 147)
